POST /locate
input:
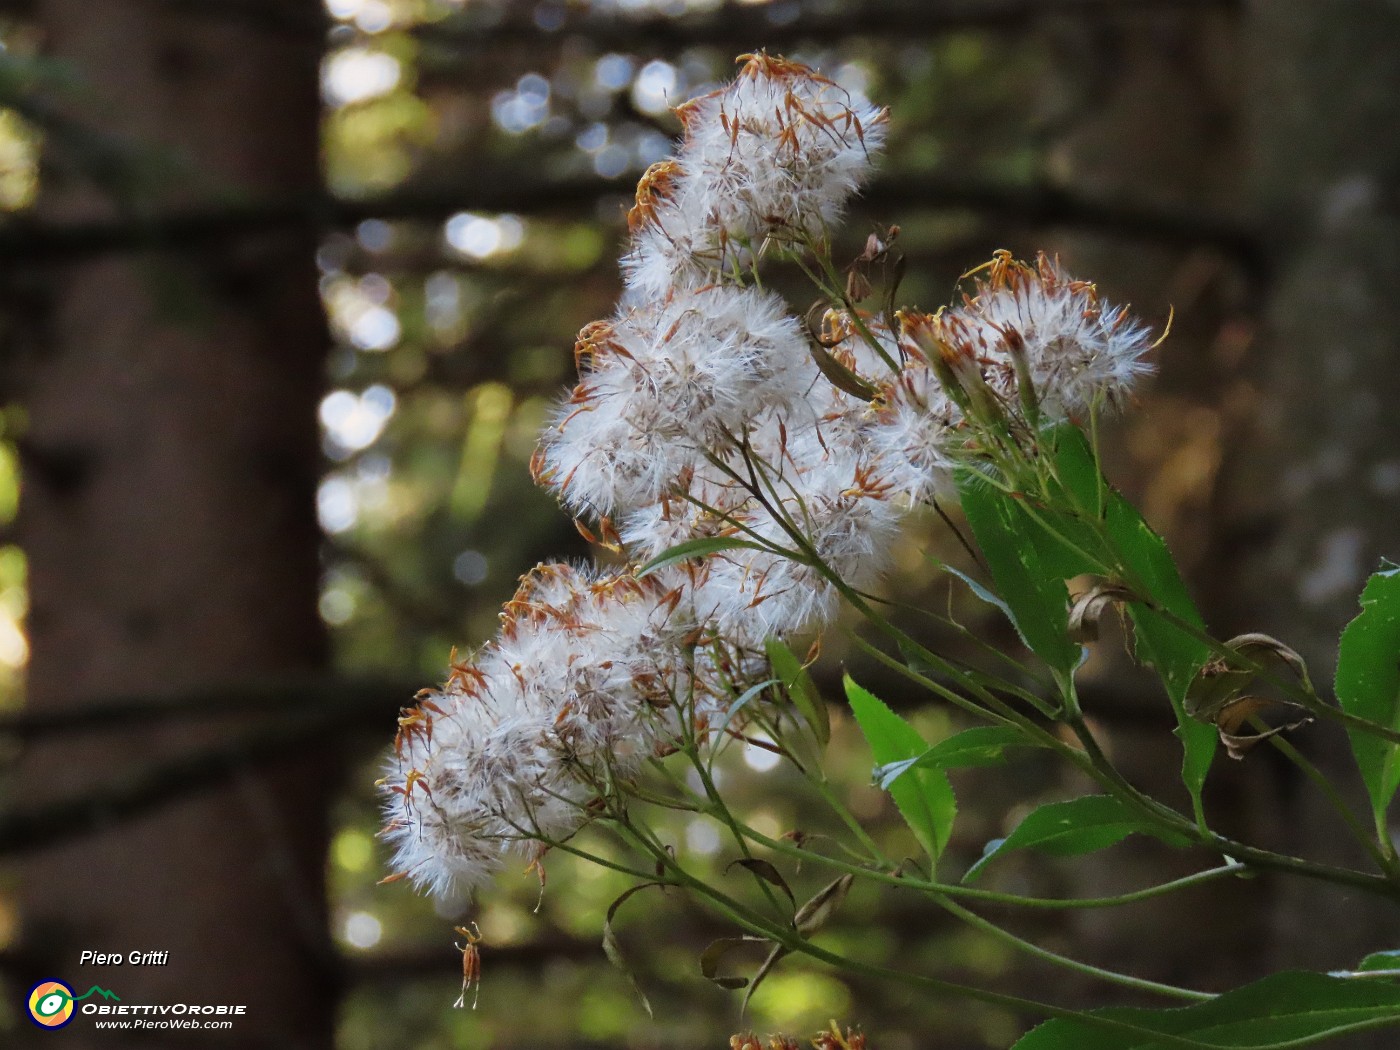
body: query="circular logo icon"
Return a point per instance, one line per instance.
(51, 1004)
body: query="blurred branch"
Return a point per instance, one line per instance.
(25, 241)
(742, 26)
(300, 713)
(360, 698)
(276, 15)
(337, 706)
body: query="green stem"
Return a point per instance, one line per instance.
(788, 937)
(848, 818)
(797, 853)
(1383, 858)
(1020, 944)
(720, 810)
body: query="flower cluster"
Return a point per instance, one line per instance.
(589, 675)
(704, 410)
(830, 1039)
(773, 156)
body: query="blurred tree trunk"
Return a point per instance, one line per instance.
(169, 477)
(1312, 493)
(1283, 464)
(1159, 125)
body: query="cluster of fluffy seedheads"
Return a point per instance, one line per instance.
(706, 410)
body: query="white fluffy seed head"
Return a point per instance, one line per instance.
(1077, 350)
(773, 156)
(701, 412)
(589, 675)
(665, 384)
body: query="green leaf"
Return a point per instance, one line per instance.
(697, 548)
(1281, 1007)
(1175, 652)
(613, 950)
(1146, 565)
(839, 376)
(1368, 683)
(924, 798)
(1389, 960)
(798, 683)
(981, 592)
(1033, 589)
(1080, 825)
(737, 707)
(982, 746)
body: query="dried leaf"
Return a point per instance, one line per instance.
(1088, 609)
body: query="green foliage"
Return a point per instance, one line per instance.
(1282, 1007)
(1164, 619)
(1389, 960)
(800, 688)
(981, 746)
(924, 798)
(1032, 544)
(1033, 590)
(1368, 683)
(1081, 825)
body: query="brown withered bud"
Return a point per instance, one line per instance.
(857, 285)
(832, 1039)
(654, 187)
(921, 335)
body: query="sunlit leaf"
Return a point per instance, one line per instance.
(1387, 960)
(924, 797)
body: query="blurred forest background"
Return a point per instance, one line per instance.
(286, 289)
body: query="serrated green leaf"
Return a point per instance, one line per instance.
(800, 688)
(1033, 590)
(1368, 683)
(1281, 1007)
(1080, 825)
(924, 797)
(697, 548)
(982, 746)
(1143, 557)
